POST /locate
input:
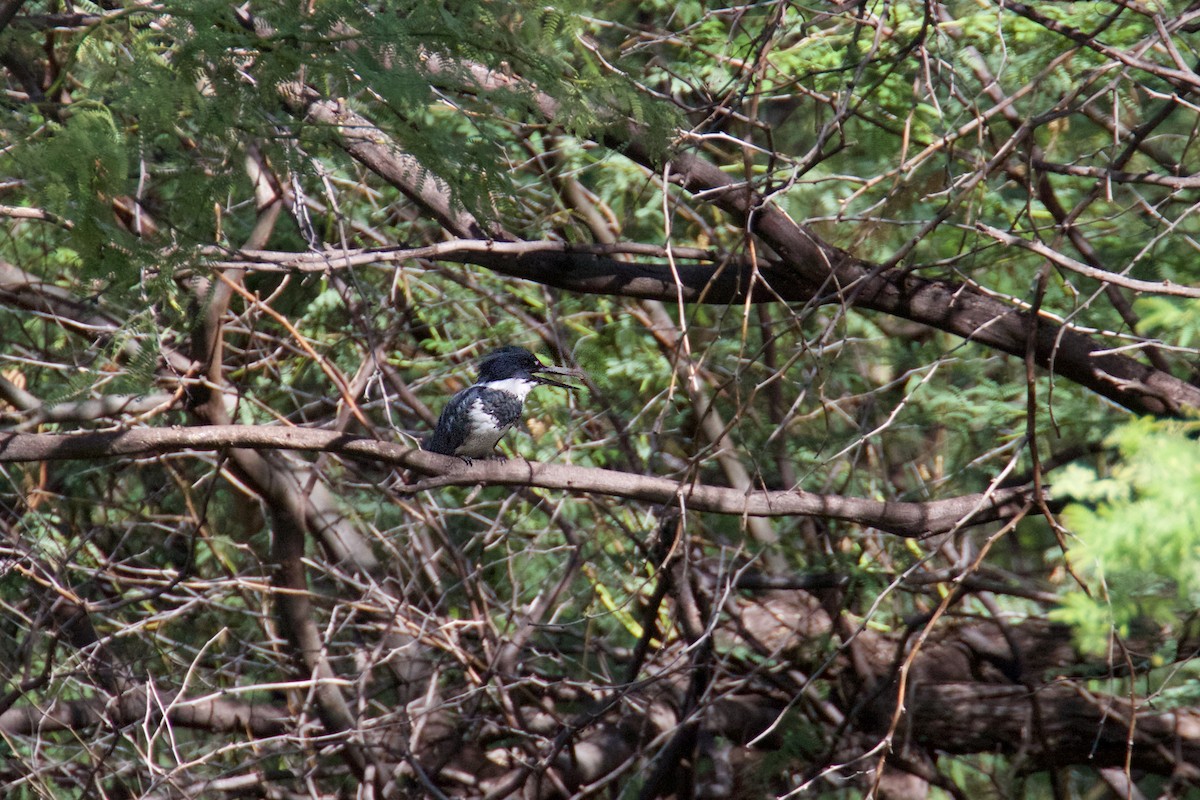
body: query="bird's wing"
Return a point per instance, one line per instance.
(447, 437)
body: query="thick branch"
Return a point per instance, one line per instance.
(136, 706)
(817, 267)
(902, 518)
(1076, 727)
(376, 150)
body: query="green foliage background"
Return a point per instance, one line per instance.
(1139, 541)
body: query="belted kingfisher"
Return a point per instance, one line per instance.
(475, 419)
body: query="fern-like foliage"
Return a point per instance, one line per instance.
(1139, 534)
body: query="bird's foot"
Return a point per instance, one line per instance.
(469, 461)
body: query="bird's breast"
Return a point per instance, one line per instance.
(496, 408)
(489, 417)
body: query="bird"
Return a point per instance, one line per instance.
(475, 419)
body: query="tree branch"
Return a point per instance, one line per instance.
(1077, 727)
(909, 519)
(1103, 276)
(136, 705)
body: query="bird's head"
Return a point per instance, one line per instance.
(517, 362)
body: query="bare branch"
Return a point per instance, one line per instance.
(1057, 258)
(461, 250)
(137, 705)
(902, 518)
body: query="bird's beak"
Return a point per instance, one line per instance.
(564, 371)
